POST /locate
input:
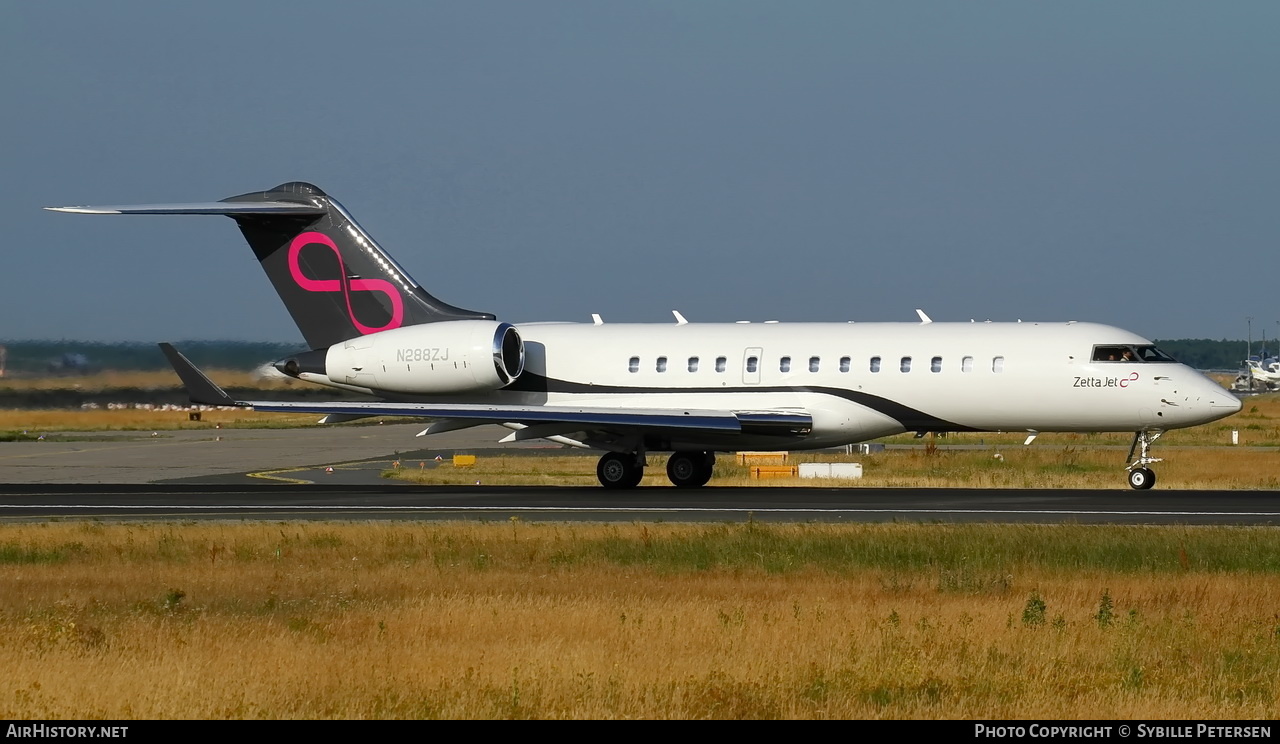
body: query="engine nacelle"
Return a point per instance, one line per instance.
(454, 356)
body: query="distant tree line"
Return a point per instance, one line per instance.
(78, 357)
(1204, 353)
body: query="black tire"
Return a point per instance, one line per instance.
(708, 465)
(1141, 479)
(690, 469)
(616, 470)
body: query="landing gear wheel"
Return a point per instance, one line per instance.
(1142, 478)
(616, 470)
(690, 469)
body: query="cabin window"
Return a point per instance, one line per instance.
(662, 364)
(935, 364)
(905, 365)
(720, 363)
(634, 364)
(813, 364)
(753, 364)
(966, 364)
(997, 364)
(693, 364)
(875, 364)
(784, 364)
(844, 364)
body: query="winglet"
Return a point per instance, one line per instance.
(923, 318)
(200, 389)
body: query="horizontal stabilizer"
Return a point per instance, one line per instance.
(200, 389)
(230, 209)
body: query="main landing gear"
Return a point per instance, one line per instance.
(618, 470)
(1142, 477)
(690, 469)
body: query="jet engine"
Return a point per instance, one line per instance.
(455, 356)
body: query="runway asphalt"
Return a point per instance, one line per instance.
(184, 502)
(282, 474)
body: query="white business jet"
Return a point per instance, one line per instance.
(691, 389)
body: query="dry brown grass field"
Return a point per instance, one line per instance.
(138, 419)
(136, 379)
(547, 620)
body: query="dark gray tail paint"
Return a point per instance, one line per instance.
(335, 280)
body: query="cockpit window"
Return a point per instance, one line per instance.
(1110, 353)
(1152, 354)
(1127, 353)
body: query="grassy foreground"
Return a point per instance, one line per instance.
(530, 620)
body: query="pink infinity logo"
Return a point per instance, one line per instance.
(1124, 382)
(343, 285)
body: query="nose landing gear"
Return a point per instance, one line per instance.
(1142, 477)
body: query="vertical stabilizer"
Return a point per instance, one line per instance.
(335, 280)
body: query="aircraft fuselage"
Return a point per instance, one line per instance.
(858, 381)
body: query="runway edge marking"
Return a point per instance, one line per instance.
(272, 474)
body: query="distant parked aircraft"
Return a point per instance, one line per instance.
(1259, 374)
(70, 363)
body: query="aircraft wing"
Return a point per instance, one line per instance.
(561, 419)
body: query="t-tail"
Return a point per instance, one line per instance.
(336, 282)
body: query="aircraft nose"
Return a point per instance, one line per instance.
(1220, 401)
(1228, 403)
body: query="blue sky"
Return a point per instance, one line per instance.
(1101, 161)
